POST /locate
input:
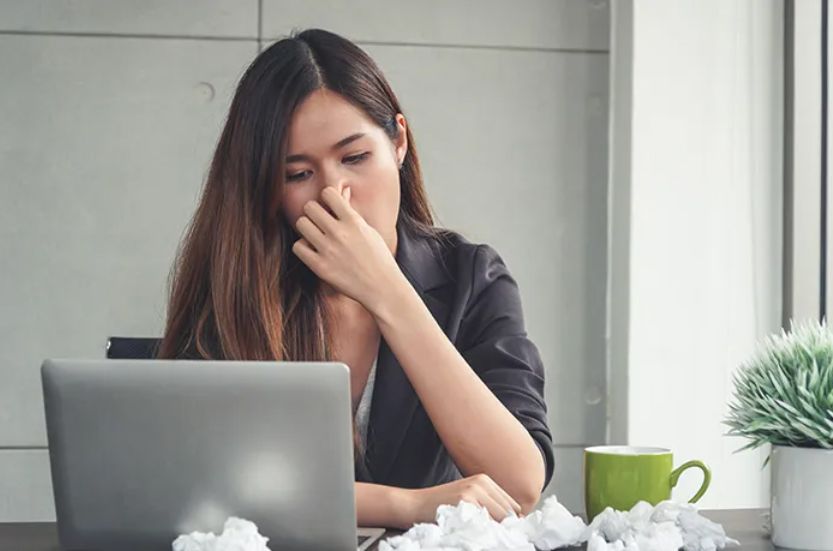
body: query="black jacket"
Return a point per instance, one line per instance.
(476, 302)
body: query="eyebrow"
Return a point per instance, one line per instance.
(341, 143)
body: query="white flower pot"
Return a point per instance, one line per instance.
(801, 504)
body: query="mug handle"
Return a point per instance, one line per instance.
(707, 477)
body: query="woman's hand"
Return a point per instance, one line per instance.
(344, 250)
(479, 489)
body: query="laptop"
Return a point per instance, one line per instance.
(142, 451)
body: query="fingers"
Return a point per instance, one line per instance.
(497, 510)
(505, 504)
(338, 203)
(319, 215)
(506, 499)
(304, 251)
(310, 232)
(489, 494)
(502, 500)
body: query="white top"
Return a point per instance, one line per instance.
(363, 410)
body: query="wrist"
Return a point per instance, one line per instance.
(389, 297)
(388, 506)
(403, 504)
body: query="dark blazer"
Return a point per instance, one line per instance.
(476, 302)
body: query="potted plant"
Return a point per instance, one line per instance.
(784, 397)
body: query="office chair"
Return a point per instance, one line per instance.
(132, 348)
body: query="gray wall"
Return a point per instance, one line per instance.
(110, 111)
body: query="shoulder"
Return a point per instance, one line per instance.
(457, 250)
(469, 262)
(466, 269)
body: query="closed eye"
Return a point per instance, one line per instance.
(351, 160)
(356, 159)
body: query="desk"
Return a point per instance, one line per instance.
(745, 525)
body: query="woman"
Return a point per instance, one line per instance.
(313, 240)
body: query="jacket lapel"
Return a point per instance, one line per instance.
(394, 400)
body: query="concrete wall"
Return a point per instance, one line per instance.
(110, 110)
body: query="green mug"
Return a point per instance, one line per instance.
(621, 476)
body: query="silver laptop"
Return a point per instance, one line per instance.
(144, 450)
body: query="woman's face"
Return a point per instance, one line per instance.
(333, 143)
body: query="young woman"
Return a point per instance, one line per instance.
(313, 240)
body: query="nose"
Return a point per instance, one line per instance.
(339, 186)
(334, 179)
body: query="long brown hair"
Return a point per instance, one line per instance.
(236, 290)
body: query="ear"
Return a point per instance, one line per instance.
(401, 142)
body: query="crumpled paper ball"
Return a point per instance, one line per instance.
(238, 535)
(550, 527)
(667, 527)
(466, 526)
(469, 527)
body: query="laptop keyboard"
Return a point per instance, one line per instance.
(368, 541)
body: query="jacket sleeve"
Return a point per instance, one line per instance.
(495, 344)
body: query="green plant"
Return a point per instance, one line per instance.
(784, 394)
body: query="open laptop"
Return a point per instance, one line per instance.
(144, 450)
